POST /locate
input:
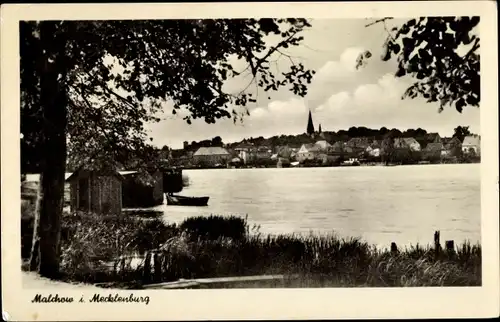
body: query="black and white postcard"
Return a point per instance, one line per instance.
(249, 160)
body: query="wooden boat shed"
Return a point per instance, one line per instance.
(142, 190)
(108, 191)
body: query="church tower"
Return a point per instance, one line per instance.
(310, 125)
(319, 129)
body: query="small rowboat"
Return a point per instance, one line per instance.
(173, 200)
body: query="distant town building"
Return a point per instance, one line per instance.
(244, 147)
(412, 144)
(284, 151)
(211, 156)
(338, 146)
(323, 145)
(433, 151)
(433, 138)
(451, 147)
(310, 125)
(245, 151)
(400, 143)
(373, 151)
(262, 153)
(308, 152)
(360, 143)
(311, 131)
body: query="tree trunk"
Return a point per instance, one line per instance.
(46, 248)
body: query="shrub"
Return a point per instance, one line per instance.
(215, 227)
(96, 248)
(151, 234)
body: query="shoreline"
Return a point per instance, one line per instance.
(329, 166)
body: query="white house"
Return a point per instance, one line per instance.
(323, 145)
(472, 142)
(373, 151)
(308, 152)
(413, 144)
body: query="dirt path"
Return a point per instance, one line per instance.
(34, 281)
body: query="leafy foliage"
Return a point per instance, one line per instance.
(430, 49)
(119, 74)
(460, 132)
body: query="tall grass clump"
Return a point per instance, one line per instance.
(214, 227)
(97, 248)
(325, 261)
(423, 266)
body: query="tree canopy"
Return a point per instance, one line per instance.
(442, 54)
(119, 74)
(89, 88)
(460, 132)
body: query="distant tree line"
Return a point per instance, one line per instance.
(344, 135)
(151, 156)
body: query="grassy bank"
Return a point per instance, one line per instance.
(99, 250)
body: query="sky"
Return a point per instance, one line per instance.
(340, 96)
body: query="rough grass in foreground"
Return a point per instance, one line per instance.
(97, 249)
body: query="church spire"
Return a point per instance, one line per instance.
(310, 125)
(319, 129)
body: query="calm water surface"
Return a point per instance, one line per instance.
(405, 204)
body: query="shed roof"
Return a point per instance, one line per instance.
(103, 172)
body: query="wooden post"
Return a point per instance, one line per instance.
(394, 247)
(437, 244)
(157, 267)
(147, 268)
(122, 264)
(165, 265)
(450, 247)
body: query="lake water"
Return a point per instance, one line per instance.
(404, 204)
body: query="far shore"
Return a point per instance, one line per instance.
(336, 166)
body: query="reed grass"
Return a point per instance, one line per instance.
(95, 249)
(214, 227)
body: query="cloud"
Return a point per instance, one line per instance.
(293, 106)
(339, 69)
(259, 113)
(379, 104)
(337, 101)
(280, 109)
(386, 92)
(340, 75)
(279, 116)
